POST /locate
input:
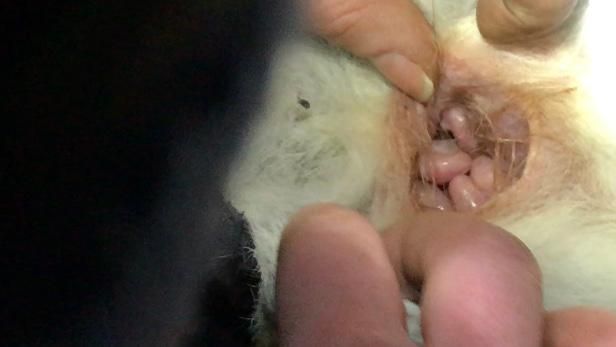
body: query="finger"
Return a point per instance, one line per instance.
(580, 327)
(335, 285)
(480, 285)
(392, 34)
(507, 21)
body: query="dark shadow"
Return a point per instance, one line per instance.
(122, 118)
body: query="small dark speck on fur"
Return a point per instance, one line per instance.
(304, 103)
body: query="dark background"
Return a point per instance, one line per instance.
(121, 118)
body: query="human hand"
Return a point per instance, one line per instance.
(395, 37)
(392, 34)
(508, 21)
(339, 284)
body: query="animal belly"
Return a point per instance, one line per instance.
(518, 137)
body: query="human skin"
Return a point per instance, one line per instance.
(396, 38)
(345, 24)
(339, 284)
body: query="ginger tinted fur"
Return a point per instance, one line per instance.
(529, 132)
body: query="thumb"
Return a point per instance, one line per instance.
(335, 285)
(507, 21)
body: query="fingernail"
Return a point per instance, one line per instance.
(406, 75)
(428, 89)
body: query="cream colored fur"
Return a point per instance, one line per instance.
(337, 150)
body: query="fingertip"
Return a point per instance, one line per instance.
(324, 221)
(427, 89)
(392, 34)
(335, 285)
(405, 75)
(509, 21)
(497, 291)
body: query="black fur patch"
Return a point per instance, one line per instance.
(230, 291)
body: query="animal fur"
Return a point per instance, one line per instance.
(326, 134)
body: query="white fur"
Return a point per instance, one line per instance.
(296, 156)
(333, 152)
